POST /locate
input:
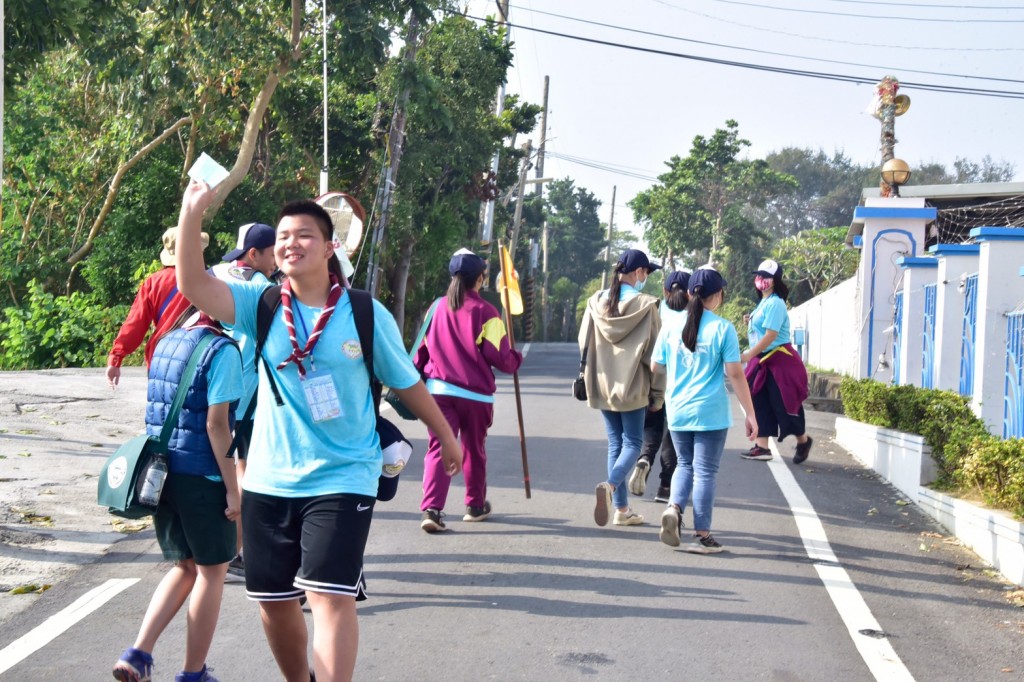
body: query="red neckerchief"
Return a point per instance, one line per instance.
(298, 355)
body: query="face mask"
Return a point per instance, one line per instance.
(639, 286)
(763, 284)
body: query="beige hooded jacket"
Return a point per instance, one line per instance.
(618, 373)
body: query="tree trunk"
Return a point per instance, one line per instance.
(115, 188)
(250, 135)
(567, 319)
(400, 280)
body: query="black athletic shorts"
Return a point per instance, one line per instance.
(298, 544)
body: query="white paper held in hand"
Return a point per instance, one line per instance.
(207, 170)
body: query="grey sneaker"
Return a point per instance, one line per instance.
(638, 479)
(671, 525)
(477, 513)
(603, 505)
(432, 521)
(757, 453)
(704, 544)
(236, 570)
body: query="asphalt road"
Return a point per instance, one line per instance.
(538, 591)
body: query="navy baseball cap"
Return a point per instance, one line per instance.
(467, 263)
(632, 259)
(251, 236)
(708, 280)
(680, 279)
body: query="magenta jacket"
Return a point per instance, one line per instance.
(788, 371)
(462, 346)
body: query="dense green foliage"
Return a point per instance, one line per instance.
(968, 457)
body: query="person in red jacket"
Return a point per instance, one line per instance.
(465, 340)
(157, 304)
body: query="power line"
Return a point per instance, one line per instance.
(768, 52)
(870, 16)
(597, 165)
(943, 48)
(923, 5)
(822, 75)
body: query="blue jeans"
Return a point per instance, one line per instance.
(625, 438)
(699, 453)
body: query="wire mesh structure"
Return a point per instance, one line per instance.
(1013, 407)
(897, 337)
(953, 224)
(931, 296)
(968, 335)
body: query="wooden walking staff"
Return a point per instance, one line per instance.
(506, 265)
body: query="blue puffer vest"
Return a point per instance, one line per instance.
(189, 451)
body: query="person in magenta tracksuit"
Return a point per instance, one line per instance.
(465, 340)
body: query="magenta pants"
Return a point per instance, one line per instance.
(469, 420)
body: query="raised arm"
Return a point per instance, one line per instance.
(207, 293)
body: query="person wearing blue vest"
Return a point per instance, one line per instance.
(199, 503)
(775, 371)
(697, 356)
(252, 260)
(315, 460)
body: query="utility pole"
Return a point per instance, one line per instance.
(487, 232)
(608, 247)
(396, 145)
(517, 221)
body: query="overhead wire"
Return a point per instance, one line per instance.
(767, 52)
(857, 43)
(801, 10)
(822, 75)
(923, 5)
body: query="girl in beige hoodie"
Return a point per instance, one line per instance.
(620, 326)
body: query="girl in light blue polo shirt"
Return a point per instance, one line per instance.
(697, 356)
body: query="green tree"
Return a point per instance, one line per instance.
(815, 261)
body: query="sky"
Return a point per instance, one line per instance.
(634, 110)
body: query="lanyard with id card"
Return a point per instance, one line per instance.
(318, 387)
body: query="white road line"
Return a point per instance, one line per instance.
(878, 654)
(54, 626)
(526, 349)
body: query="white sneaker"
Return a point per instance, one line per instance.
(627, 518)
(638, 479)
(671, 522)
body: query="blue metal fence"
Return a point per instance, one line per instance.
(967, 336)
(1013, 407)
(931, 296)
(897, 337)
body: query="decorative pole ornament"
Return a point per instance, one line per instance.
(886, 106)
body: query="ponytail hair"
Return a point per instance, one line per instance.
(615, 291)
(694, 311)
(676, 299)
(460, 283)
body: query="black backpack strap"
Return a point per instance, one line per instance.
(362, 312)
(270, 301)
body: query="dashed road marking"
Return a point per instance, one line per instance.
(57, 624)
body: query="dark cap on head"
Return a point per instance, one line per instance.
(251, 236)
(467, 263)
(680, 279)
(706, 281)
(632, 259)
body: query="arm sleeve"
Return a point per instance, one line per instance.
(136, 325)
(225, 382)
(730, 345)
(493, 343)
(775, 314)
(658, 381)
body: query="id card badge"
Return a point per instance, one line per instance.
(321, 396)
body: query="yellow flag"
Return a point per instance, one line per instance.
(510, 278)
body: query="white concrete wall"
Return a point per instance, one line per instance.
(949, 317)
(917, 272)
(830, 321)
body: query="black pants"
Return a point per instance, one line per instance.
(657, 437)
(772, 419)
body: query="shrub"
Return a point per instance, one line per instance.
(996, 468)
(57, 331)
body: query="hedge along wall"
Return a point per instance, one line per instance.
(968, 456)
